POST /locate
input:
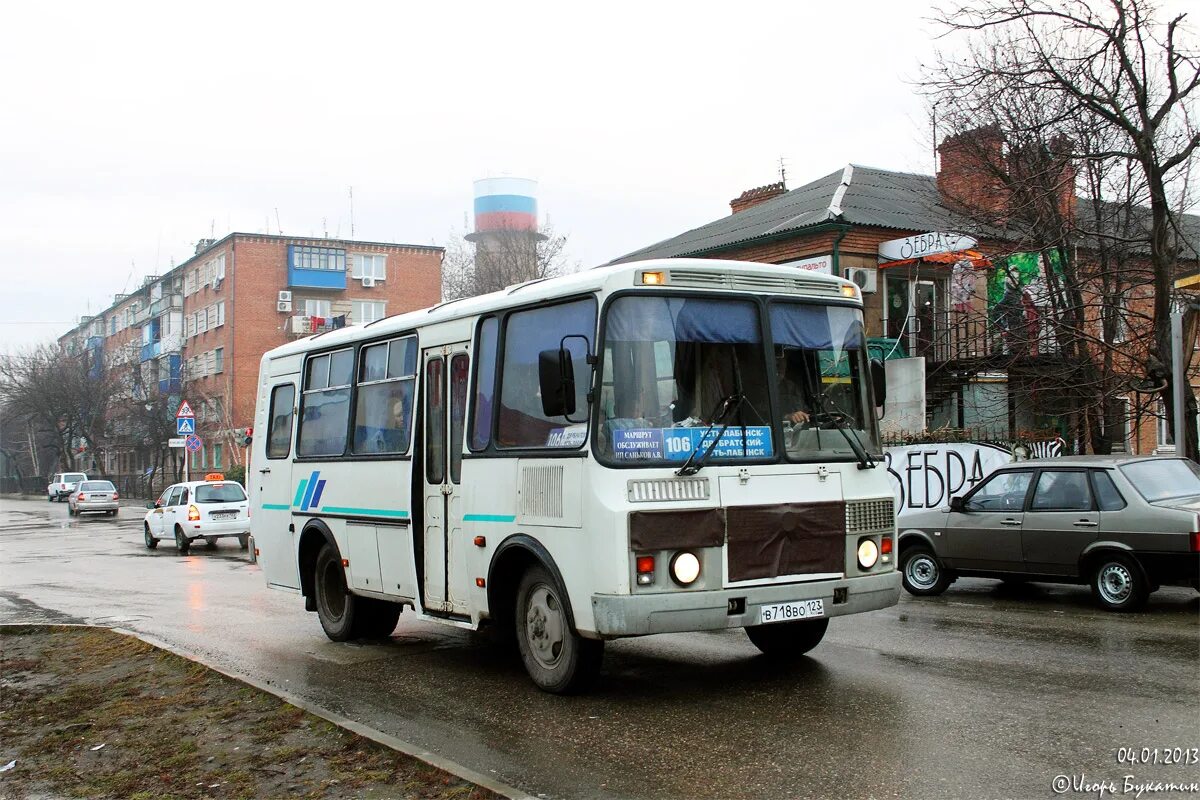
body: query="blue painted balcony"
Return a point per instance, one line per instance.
(316, 267)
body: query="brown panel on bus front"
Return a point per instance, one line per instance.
(676, 530)
(786, 539)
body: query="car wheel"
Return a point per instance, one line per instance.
(1118, 583)
(557, 659)
(49, 498)
(788, 640)
(71, 512)
(181, 540)
(151, 542)
(337, 609)
(211, 541)
(922, 572)
(244, 541)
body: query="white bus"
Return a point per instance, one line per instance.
(665, 446)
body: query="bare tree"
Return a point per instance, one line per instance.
(483, 263)
(1113, 87)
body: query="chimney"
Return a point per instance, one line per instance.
(752, 197)
(204, 244)
(969, 171)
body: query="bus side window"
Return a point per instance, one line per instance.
(526, 333)
(279, 434)
(326, 408)
(485, 384)
(383, 413)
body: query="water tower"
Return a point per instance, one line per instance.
(506, 232)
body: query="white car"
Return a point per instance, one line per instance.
(63, 484)
(209, 509)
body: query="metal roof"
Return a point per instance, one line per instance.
(855, 195)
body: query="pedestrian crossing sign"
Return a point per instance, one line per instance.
(184, 426)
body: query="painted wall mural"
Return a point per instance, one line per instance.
(1019, 302)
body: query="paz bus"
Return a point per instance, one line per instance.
(665, 446)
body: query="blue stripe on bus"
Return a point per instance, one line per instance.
(365, 512)
(312, 487)
(316, 498)
(489, 518)
(300, 491)
(275, 507)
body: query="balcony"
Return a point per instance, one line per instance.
(953, 337)
(159, 307)
(151, 351)
(316, 267)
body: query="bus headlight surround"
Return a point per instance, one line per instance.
(868, 553)
(685, 568)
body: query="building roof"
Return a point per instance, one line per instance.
(855, 195)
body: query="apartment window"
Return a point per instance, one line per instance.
(330, 258)
(369, 266)
(217, 453)
(364, 311)
(189, 283)
(201, 321)
(219, 267)
(189, 323)
(221, 313)
(219, 360)
(318, 308)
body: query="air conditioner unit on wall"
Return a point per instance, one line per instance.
(368, 281)
(285, 296)
(283, 305)
(864, 277)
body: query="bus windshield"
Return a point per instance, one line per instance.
(679, 372)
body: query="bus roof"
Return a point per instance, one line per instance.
(690, 273)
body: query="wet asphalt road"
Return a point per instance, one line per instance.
(985, 692)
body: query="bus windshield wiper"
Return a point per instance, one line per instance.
(726, 407)
(839, 419)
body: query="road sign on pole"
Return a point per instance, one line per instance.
(185, 410)
(194, 443)
(180, 442)
(185, 425)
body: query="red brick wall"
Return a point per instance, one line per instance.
(256, 271)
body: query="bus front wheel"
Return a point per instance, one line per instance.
(788, 639)
(558, 660)
(336, 607)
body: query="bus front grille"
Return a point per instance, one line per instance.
(771, 541)
(870, 515)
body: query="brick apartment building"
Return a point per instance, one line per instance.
(948, 307)
(199, 330)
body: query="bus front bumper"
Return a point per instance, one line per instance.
(679, 612)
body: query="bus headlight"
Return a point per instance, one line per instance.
(868, 553)
(685, 568)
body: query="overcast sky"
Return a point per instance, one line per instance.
(129, 132)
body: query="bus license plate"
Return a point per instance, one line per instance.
(787, 612)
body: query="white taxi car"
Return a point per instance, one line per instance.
(209, 509)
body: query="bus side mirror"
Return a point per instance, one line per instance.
(956, 504)
(556, 379)
(879, 381)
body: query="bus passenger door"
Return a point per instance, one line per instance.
(445, 552)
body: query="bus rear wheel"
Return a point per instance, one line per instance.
(558, 660)
(786, 640)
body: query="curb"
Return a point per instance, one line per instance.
(365, 731)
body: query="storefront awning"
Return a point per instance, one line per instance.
(976, 259)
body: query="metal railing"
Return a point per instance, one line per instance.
(964, 336)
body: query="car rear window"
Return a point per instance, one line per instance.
(96, 486)
(1164, 479)
(73, 477)
(219, 493)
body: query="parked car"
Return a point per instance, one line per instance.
(1123, 525)
(94, 497)
(211, 509)
(62, 484)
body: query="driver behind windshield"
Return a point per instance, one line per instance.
(792, 397)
